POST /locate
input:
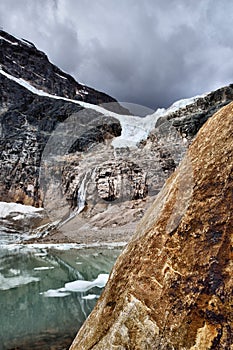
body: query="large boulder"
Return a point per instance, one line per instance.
(171, 288)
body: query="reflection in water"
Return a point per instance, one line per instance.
(32, 319)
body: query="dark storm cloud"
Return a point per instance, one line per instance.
(150, 52)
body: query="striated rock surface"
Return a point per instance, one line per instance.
(171, 288)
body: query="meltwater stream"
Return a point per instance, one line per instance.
(46, 292)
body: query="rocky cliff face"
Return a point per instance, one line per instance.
(28, 119)
(171, 288)
(56, 149)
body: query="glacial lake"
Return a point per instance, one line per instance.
(43, 303)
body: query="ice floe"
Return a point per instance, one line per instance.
(78, 286)
(84, 286)
(90, 297)
(55, 293)
(15, 281)
(61, 246)
(41, 268)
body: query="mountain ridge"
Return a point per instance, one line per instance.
(41, 73)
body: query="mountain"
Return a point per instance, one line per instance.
(95, 169)
(30, 112)
(171, 288)
(22, 59)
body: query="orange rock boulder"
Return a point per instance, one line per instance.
(171, 288)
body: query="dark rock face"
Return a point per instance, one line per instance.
(106, 130)
(22, 59)
(27, 120)
(25, 128)
(171, 288)
(188, 120)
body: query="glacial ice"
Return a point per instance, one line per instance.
(134, 128)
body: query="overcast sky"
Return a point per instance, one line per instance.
(149, 52)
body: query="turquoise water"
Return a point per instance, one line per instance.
(29, 319)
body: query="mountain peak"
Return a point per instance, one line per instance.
(22, 59)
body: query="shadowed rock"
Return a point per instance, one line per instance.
(171, 288)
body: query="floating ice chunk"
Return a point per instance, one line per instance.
(41, 268)
(90, 297)
(84, 286)
(55, 293)
(78, 286)
(16, 281)
(61, 246)
(41, 254)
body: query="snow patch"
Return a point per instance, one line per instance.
(26, 42)
(83, 92)
(9, 208)
(18, 217)
(183, 103)
(11, 42)
(61, 76)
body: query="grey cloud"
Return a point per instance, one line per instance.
(149, 52)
